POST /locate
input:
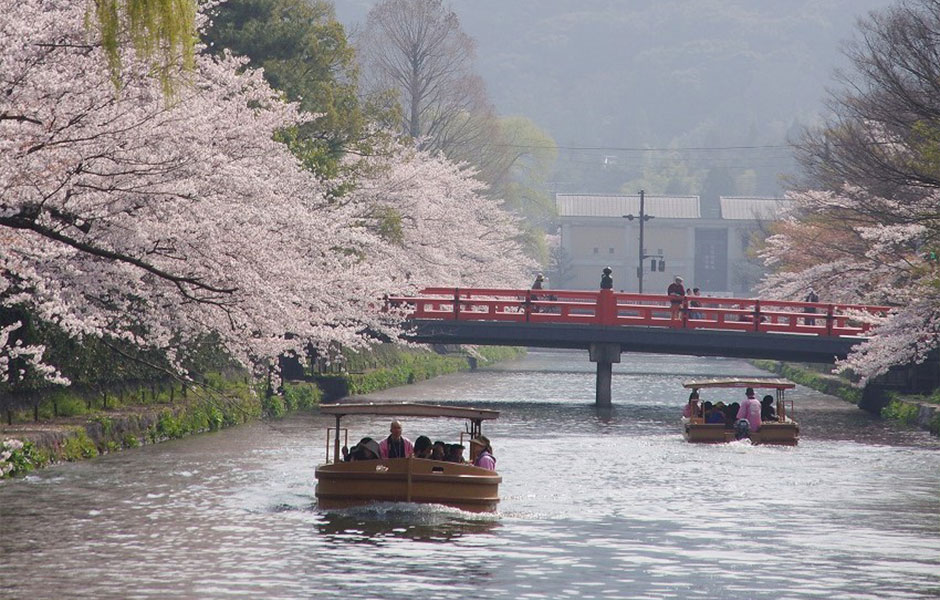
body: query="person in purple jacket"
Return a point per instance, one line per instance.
(482, 453)
(748, 416)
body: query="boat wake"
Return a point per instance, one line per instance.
(428, 522)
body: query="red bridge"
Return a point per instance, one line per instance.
(607, 323)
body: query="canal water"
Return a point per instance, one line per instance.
(594, 505)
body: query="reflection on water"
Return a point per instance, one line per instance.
(595, 504)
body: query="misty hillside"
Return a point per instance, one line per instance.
(612, 75)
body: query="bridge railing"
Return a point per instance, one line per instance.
(608, 308)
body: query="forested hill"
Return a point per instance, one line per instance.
(611, 74)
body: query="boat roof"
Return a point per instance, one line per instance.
(737, 382)
(409, 409)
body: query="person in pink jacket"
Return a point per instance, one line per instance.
(691, 408)
(748, 413)
(481, 453)
(396, 445)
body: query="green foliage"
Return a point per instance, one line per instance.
(388, 366)
(19, 458)
(162, 32)
(272, 406)
(107, 423)
(305, 54)
(904, 412)
(68, 404)
(130, 441)
(215, 418)
(823, 382)
(78, 447)
(934, 425)
(500, 353)
(168, 426)
(388, 224)
(301, 395)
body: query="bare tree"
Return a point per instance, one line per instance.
(884, 134)
(417, 48)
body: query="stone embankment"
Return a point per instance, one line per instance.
(27, 443)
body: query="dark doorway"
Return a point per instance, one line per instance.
(711, 259)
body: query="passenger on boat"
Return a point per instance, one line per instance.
(423, 447)
(717, 414)
(731, 413)
(366, 449)
(439, 451)
(748, 413)
(767, 410)
(455, 453)
(481, 453)
(396, 445)
(691, 407)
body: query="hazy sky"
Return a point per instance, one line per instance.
(613, 74)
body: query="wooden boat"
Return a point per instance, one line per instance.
(784, 431)
(342, 484)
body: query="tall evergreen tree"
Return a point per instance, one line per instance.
(305, 54)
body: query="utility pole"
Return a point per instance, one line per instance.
(643, 218)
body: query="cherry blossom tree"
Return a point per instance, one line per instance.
(440, 228)
(832, 243)
(125, 216)
(867, 230)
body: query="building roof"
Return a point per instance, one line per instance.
(599, 205)
(751, 208)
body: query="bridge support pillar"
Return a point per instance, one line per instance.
(604, 355)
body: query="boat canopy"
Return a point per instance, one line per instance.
(408, 409)
(735, 382)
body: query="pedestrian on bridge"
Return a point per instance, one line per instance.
(676, 292)
(811, 296)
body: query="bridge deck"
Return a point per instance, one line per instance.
(754, 328)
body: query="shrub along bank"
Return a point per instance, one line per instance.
(70, 428)
(384, 367)
(916, 411)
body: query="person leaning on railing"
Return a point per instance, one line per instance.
(676, 293)
(811, 296)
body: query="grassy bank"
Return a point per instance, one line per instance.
(384, 367)
(813, 378)
(68, 425)
(915, 411)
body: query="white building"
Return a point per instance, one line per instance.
(709, 253)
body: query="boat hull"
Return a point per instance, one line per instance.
(777, 434)
(346, 484)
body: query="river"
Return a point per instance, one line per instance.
(610, 505)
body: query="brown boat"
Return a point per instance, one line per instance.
(783, 431)
(342, 484)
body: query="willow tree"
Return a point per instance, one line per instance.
(162, 33)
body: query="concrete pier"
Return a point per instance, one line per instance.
(604, 355)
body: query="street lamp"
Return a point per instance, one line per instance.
(643, 218)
